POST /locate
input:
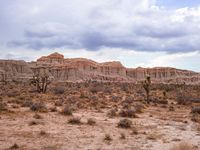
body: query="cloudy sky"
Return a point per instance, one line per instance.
(143, 33)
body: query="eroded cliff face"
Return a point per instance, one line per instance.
(13, 70)
(81, 69)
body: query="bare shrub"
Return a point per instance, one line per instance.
(122, 136)
(96, 89)
(38, 107)
(91, 121)
(66, 111)
(196, 110)
(37, 116)
(59, 90)
(125, 123)
(195, 117)
(42, 133)
(183, 146)
(58, 102)
(33, 122)
(75, 120)
(112, 113)
(14, 146)
(3, 106)
(13, 93)
(128, 113)
(182, 99)
(27, 103)
(107, 137)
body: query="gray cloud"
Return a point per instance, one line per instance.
(133, 24)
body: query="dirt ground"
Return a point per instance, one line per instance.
(157, 127)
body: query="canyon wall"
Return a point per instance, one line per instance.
(81, 69)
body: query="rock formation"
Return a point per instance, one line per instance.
(82, 69)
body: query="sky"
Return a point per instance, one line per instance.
(139, 33)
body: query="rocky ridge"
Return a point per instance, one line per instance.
(82, 69)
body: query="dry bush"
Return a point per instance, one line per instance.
(139, 108)
(33, 122)
(96, 88)
(183, 100)
(171, 108)
(125, 123)
(14, 146)
(27, 103)
(75, 120)
(58, 103)
(122, 136)
(195, 117)
(128, 113)
(37, 116)
(107, 137)
(112, 113)
(3, 106)
(183, 146)
(42, 132)
(59, 90)
(66, 111)
(91, 122)
(196, 110)
(13, 93)
(129, 100)
(40, 107)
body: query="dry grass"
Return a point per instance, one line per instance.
(125, 123)
(75, 120)
(107, 137)
(183, 146)
(91, 122)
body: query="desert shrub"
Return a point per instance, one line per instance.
(42, 132)
(107, 90)
(27, 103)
(107, 137)
(112, 113)
(128, 113)
(139, 107)
(122, 136)
(91, 121)
(13, 93)
(125, 123)
(171, 108)
(183, 146)
(59, 90)
(183, 100)
(195, 100)
(196, 110)
(38, 107)
(115, 98)
(32, 123)
(58, 103)
(3, 106)
(195, 117)
(134, 131)
(75, 120)
(14, 146)
(52, 109)
(128, 100)
(96, 89)
(83, 95)
(66, 111)
(37, 116)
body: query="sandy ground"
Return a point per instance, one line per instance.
(157, 129)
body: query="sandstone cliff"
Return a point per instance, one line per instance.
(81, 69)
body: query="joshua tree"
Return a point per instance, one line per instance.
(146, 85)
(41, 80)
